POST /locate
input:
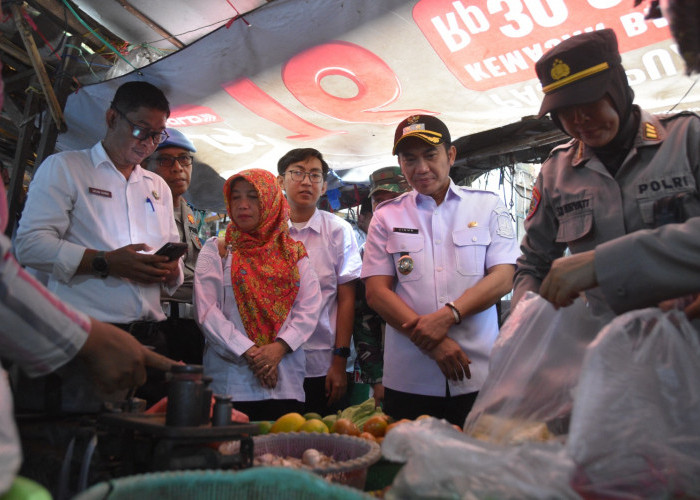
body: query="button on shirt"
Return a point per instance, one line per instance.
(452, 246)
(218, 317)
(79, 200)
(334, 255)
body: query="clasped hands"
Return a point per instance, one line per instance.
(429, 333)
(263, 362)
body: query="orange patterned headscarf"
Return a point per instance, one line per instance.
(264, 269)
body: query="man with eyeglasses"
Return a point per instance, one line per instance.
(334, 255)
(93, 220)
(172, 160)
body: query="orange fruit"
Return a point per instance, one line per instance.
(289, 422)
(376, 426)
(345, 426)
(313, 425)
(367, 436)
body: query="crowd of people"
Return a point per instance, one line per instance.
(277, 307)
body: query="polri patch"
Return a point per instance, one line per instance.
(534, 203)
(100, 192)
(406, 230)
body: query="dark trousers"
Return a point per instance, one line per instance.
(316, 400)
(184, 339)
(454, 409)
(152, 334)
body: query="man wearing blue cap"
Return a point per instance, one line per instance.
(172, 160)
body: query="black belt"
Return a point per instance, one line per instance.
(178, 310)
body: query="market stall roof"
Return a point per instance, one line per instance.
(339, 76)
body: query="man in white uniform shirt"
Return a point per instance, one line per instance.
(94, 218)
(335, 257)
(436, 261)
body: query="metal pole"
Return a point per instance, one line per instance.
(62, 88)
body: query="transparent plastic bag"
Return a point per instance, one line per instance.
(635, 427)
(533, 370)
(442, 462)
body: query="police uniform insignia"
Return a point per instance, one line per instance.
(650, 131)
(413, 119)
(560, 69)
(405, 264)
(190, 219)
(155, 195)
(534, 203)
(473, 224)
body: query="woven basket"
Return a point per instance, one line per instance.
(352, 455)
(264, 483)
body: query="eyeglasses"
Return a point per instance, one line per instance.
(298, 176)
(169, 161)
(143, 133)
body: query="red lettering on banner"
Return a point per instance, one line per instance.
(376, 84)
(185, 116)
(253, 98)
(498, 42)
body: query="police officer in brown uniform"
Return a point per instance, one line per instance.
(173, 161)
(624, 170)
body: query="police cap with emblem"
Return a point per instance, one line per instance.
(579, 70)
(176, 139)
(425, 127)
(388, 179)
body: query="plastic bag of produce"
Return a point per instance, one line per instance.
(442, 462)
(635, 427)
(533, 370)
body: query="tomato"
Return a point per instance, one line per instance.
(367, 436)
(397, 423)
(376, 426)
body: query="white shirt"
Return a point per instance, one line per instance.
(79, 200)
(216, 313)
(332, 249)
(452, 246)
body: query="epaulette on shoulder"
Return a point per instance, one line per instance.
(393, 200)
(474, 190)
(561, 147)
(672, 116)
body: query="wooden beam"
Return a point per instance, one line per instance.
(11, 49)
(61, 17)
(38, 64)
(150, 23)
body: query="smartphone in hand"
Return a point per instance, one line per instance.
(173, 250)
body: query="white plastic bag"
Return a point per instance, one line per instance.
(533, 370)
(635, 427)
(442, 462)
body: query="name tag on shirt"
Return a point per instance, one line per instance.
(405, 230)
(100, 192)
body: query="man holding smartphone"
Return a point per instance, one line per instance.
(173, 161)
(94, 218)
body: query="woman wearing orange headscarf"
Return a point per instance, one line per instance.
(257, 301)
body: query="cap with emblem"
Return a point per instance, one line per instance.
(176, 139)
(425, 127)
(388, 179)
(580, 69)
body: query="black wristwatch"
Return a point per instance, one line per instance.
(343, 352)
(100, 266)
